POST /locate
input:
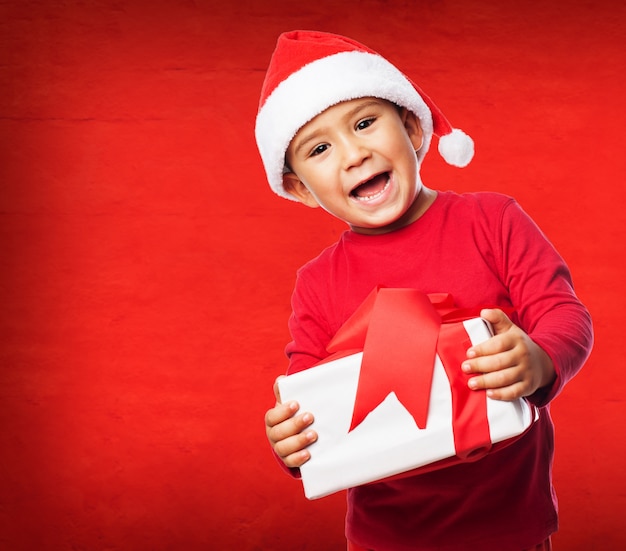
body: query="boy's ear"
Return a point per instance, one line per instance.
(413, 128)
(294, 186)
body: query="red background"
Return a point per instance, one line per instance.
(146, 268)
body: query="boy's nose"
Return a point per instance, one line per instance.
(354, 153)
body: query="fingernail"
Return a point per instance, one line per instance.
(471, 353)
(466, 367)
(472, 383)
(306, 418)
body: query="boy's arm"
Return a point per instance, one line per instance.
(285, 426)
(552, 329)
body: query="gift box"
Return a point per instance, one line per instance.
(391, 399)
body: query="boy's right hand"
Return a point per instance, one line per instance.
(287, 431)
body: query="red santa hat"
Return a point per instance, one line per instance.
(311, 71)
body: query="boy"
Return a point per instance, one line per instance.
(341, 128)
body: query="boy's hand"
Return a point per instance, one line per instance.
(287, 432)
(509, 365)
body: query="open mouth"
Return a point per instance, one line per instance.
(372, 188)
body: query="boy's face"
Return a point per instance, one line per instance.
(357, 161)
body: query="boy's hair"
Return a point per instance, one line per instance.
(311, 71)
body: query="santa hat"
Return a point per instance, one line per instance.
(310, 71)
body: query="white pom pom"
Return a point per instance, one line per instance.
(457, 148)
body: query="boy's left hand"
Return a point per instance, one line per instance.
(509, 365)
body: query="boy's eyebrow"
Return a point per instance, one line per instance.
(306, 139)
(348, 115)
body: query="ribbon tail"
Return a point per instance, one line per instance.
(399, 354)
(469, 407)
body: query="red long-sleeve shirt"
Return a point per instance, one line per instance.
(484, 250)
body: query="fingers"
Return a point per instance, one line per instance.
(501, 364)
(500, 385)
(502, 328)
(497, 318)
(282, 420)
(293, 450)
(288, 434)
(502, 374)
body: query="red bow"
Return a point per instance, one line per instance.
(400, 331)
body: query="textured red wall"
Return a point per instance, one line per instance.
(145, 268)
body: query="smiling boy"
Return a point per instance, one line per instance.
(357, 161)
(341, 128)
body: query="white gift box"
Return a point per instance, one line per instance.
(388, 441)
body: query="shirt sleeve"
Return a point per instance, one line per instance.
(542, 293)
(307, 324)
(309, 336)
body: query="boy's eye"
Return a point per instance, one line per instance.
(318, 150)
(362, 125)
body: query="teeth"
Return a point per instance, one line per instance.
(374, 196)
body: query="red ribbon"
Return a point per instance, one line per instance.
(400, 331)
